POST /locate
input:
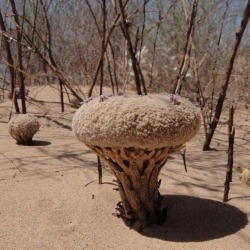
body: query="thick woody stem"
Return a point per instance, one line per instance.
(137, 172)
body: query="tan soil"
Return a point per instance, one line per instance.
(50, 197)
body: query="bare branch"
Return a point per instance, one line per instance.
(182, 69)
(222, 96)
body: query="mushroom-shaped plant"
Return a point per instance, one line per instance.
(135, 135)
(23, 127)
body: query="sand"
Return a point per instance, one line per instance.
(50, 197)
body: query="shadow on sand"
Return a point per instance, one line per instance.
(40, 143)
(192, 219)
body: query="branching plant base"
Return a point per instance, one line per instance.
(137, 172)
(26, 141)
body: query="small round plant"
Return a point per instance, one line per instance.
(136, 135)
(23, 127)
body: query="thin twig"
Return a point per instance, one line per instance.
(99, 64)
(16, 166)
(186, 52)
(183, 154)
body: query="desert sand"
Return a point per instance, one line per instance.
(50, 197)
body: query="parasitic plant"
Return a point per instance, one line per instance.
(136, 135)
(22, 128)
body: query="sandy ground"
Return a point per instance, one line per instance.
(50, 197)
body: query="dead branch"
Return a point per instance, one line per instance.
(125, 30)
(100, 62)
(231, 133)
(183, 69)
(10, 63)
(215, 62)
(53, 61)
(19, 31)
(223, 92)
